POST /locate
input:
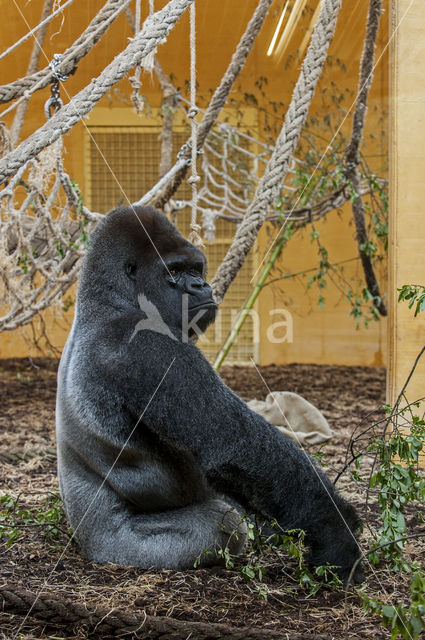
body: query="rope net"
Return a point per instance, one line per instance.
(231, 166)
(44, 229)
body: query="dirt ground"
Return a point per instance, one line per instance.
(349, 398)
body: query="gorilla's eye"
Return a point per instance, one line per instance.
(130, 269)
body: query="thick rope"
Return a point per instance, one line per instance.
(195, 228)
(60, 611)
(31, 33)
(155, 29)
(70, 58)
(270, 184)
(217, 102)
(352, 157)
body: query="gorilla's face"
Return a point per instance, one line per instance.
(189, 292)
(156, 269)
(176, 285)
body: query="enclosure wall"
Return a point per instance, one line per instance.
(407, 196)
(320, 335)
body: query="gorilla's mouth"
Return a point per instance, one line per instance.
(204, 305)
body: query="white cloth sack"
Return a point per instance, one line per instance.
(294, 416)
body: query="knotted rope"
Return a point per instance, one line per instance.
(269, 186)
(195, 228)
(135, 80)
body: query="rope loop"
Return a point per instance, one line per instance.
(193, 179)
(193, 112)
(135, 81)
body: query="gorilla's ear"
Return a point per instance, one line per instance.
(130, 269)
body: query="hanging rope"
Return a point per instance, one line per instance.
(149, 61)
(155, 29)
(274, 175)
(352, 157)
(135, 80)
(216, 104)
(195, 228)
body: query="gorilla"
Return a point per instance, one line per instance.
(153, 447)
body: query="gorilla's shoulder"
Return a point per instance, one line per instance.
(123, 342)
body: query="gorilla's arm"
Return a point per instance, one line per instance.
(241, 454)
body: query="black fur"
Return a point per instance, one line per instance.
(196, 441)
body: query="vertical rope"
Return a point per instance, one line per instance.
(195, 228)
(138, 15)
(149, 62)
(135, 80)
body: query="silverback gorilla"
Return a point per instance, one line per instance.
(150, 440)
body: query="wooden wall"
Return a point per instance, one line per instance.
(407, 215)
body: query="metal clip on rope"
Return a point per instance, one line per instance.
(54, 103)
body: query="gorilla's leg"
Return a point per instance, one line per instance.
(175, 539)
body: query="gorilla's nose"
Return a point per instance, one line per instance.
(195, 286)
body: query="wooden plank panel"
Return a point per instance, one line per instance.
(407, 170)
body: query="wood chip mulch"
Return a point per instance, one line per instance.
(35, 561)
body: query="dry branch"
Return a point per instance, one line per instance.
(352, 157)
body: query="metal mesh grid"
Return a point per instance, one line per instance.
(133, 156)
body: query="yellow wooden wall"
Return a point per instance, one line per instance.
(407, 152)
(319, 335)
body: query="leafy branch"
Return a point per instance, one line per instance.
(414, 294)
